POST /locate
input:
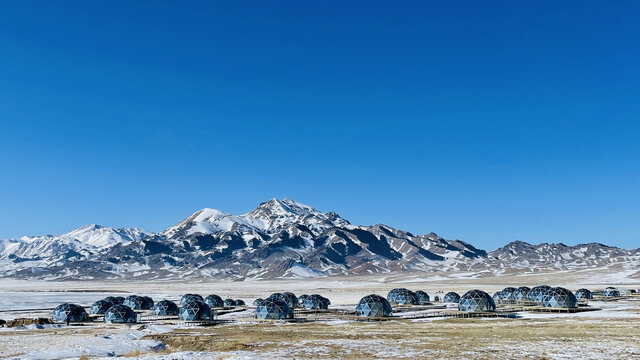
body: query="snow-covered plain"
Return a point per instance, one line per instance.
(531, 335)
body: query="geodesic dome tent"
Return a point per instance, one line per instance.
(373, 306)
(290, 298)
(229, 302)
(559, 298)
(611, 292)
(301, 299)
(239, 302)
(147, 303)
(402, 296)
(195, 310)
(257, 301)
(165, 307)
(476, 301)
(521, 293)
(451, 297)
(115, 299)
(120, 314)
(134, 301)
(213, 301)
(585, 294)
(620, 291)
(69, 312)
(537, 292)
(497, 296)
(422, 297)
(100, 307)
(316, 301)
(508, 293)
(624, 292)
(273, 309)
(190, 297)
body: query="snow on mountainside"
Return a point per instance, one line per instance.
(86, 238)
(520, 256)
(280, 238)
(269, 217)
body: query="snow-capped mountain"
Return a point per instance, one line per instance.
(280, 238)
(89, 238)
(520, 256)
(268, 218)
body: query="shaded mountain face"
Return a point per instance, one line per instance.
(280, 238)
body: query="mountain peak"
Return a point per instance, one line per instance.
(281, 207)
(276, 214)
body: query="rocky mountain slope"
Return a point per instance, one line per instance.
(280, 238)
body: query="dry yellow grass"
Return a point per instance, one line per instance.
(450, 339)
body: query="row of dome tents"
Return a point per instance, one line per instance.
(118, 309)
(402, 296)
(280, 306)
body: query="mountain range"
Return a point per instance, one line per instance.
(280, 238)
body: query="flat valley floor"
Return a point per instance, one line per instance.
(610, 333)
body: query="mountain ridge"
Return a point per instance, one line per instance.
(280, 238)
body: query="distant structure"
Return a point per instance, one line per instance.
(115, 300)
(147, 303)
(213, 301)
(451, 297)
(508, 293)
(611, 292)
(135, 302)
(288, 297)
(402, 296)
(422, 297)
(100, 307)
(229, 302)
(301, 299)
(584, 294)
(537, 292)
(373, 306)
(315, 301)
(497, 296)
(195, 310)
(620, 291)
(190, 297)
(476, 301)
(559, 298)
(273, 309)
(521, 293)
(120, 314)
(69, 313)
(165, 307)
(257, 301)
(239, 302)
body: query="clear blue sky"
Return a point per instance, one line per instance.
(484, 121)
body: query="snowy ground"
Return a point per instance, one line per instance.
(611, 332)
